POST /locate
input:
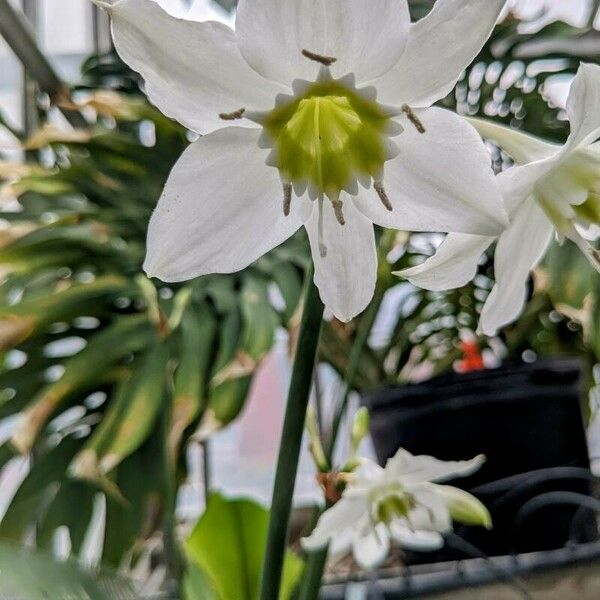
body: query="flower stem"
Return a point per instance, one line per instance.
(291, 440)
(173, 558)
(362, 336)
(315, 563)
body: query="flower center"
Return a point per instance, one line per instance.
(572, 191)
(328, 137)
(389, 502)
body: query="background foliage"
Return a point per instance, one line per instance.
(112, 370)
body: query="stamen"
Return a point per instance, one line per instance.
(412, 117)
(337, 209)
(324, 60)
(378, 185)
(287, 198)
(322, 246)
(232, 116)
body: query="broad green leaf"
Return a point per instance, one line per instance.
(228, 544)
(196, 586)
(31, 576)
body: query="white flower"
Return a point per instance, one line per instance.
(557, 189)
(399, 503)
(319, 88)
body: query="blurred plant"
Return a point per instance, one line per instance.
(370, 506)
(35, 576)
(107, 369)
(226, 548)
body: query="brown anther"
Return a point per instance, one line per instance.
(324, 60)
(412, 117)
(232, 116)
(287, 198)
(337, 209)
(383, 195)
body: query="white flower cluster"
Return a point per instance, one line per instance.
(403, 502)
(331, 102)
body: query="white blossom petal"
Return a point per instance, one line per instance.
(417, 469)
(440, 46)
(464, 507)
(335, 521)
(193, 71)
(453, 265)
(440, 181)
(221, 209)
(519, 250)
(522, 147)
(430, 512)
(366, 37)
(346, 275)
(372, 547)
(415, 540)
(582, 107)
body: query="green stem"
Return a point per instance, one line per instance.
(362, 336)
(316, 561)
(313, 572)
(291, 440)
(173, 558)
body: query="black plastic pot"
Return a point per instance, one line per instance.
(527, 420)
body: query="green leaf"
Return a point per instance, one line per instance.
(570, 277)
(35, 576)
(37, 489)
(228, 544)
(196, 586)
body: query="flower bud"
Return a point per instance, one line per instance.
(316, 447)
(360, 428)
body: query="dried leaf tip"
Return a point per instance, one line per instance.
(324, 60)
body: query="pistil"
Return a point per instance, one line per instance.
(322, 246)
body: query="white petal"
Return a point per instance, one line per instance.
(589, 250)
(193, 71)
(440, 46)
(464, 507)
(335, 521)
(366, 37)
(221, 209)
(407, 468)
(368, 472)
(346, 276)
(441, 181)
(517, 184)
(519, 250)
(372, 547)
(452, 266)
(417, 541)
(522, 147)
(582, 106)
(430, 512)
